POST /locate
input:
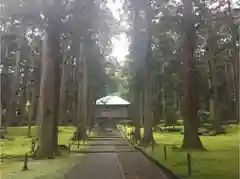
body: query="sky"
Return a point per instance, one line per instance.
(120, 42)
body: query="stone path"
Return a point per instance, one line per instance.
(110, 156)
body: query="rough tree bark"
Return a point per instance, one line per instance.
(148, 78)
(46, 103)
(24, 86)
(137, 115)
(63, 108)
(5, 82)
(148, 113)
(80, 133)
(212, 83)
(36, 65)
(91, 108)
(214, 103)
(191, 139)
(1, 109)
(11, 107)
(229, 89)
(141, 109)
(163, 99)
(137, 101)
(75, 77)
(49, 91)
(234, 52)
(84, 110)
(24, 96)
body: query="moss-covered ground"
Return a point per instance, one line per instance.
(220, 161)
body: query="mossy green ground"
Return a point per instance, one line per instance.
(16, 144)
(220, 161)
(39, 169)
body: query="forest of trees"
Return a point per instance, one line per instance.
(183, 62)
(53, 59)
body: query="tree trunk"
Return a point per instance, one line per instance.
(35, 90)
(138, 115)
(46, 103)
(137, 92)
(175, 99)
(234, 57)
(191, 139)
(163, 100)
(82, 97)
(148, 113)
(76, 80)
(181, 108)
(212, 81)
(141, 109)
(33, 111)
(147, 76)
(11, 108)
(49, 92)
(63, 108)
(6, 87)
(214, 103)
(24, 96)
(1, 109)
(90, 108)
(229, 90)
(57, 57)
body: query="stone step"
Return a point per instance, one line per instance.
(108, 137)
(105, 144)
(105, 139)
(102, 151)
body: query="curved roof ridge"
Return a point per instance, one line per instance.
(112, 100)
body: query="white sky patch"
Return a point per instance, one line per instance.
(120, 42)
(120, 47)
(116, 7)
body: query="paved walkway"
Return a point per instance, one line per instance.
(110, 156)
